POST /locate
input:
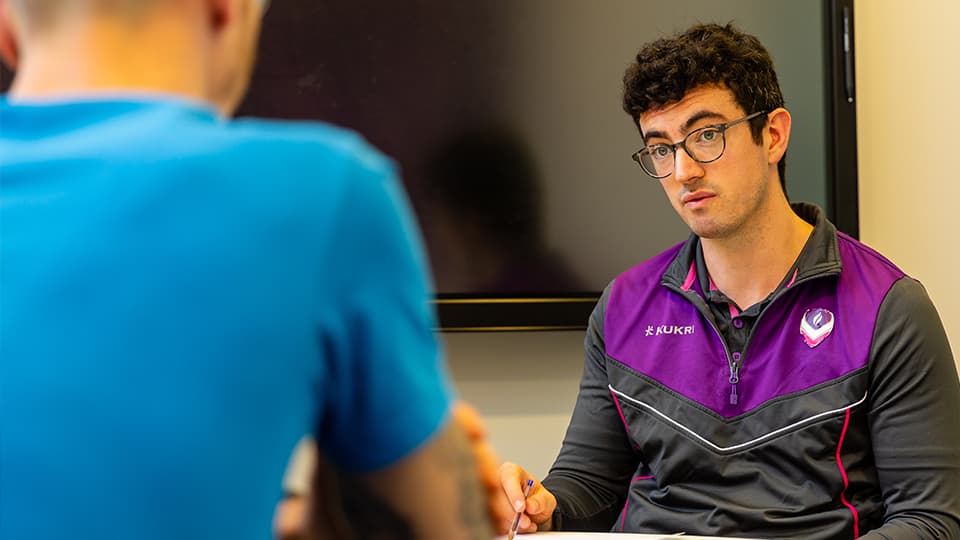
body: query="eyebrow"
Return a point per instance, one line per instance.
(696, 117)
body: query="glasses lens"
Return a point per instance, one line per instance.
(705, 145)
(657, 160)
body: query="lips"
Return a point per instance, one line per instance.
(696, 197)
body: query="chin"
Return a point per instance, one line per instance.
(709, 229)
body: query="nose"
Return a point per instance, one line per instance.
(685, 168)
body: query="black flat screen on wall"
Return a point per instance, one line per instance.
(505, 119)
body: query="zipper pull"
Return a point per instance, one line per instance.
(734, 378)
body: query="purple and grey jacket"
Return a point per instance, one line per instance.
(840, 419)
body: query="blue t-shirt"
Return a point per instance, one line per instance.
(181, 299)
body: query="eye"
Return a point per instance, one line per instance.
(708, 136)
(660, 151)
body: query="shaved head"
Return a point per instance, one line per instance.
(38, 16)
(50, 8)
(202, 49)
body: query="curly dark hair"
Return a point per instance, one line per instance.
(666, 69)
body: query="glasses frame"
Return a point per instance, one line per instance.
(638, 155)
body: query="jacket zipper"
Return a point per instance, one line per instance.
(733, 364)
(734, 360)
(735, 377)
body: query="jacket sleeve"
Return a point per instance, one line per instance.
(592, 473)
(914, 419)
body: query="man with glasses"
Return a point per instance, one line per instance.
(184, 297)
(769, 377)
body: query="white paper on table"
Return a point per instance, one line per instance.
(614, 536)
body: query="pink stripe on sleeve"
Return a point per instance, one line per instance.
(846, 482)
(619, 410)
(623, 514)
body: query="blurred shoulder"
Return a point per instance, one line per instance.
(308, 143)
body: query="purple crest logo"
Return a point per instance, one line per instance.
(815, 326)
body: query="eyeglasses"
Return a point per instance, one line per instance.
(702, 145)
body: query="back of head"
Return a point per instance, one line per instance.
(197, 49)
(704, 55)
(39, 17)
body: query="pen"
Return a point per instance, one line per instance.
(516, 520)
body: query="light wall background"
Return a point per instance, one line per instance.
(908, 114)
(908, 73)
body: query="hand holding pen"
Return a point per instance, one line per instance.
(516, 521)
(525, 505)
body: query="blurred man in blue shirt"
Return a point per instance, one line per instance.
(185, 296)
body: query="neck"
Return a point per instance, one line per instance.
(96, 56)
(748, 266)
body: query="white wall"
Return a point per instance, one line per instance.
(908, 120)
(524, 384)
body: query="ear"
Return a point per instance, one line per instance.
(777, 134)
(9, 51)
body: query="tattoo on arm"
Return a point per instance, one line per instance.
(345, 508)
(461, 464)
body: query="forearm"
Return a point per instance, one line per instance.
(591, 475)
(578, 507)
(917, 526)
(437, 491)
(416, 494)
